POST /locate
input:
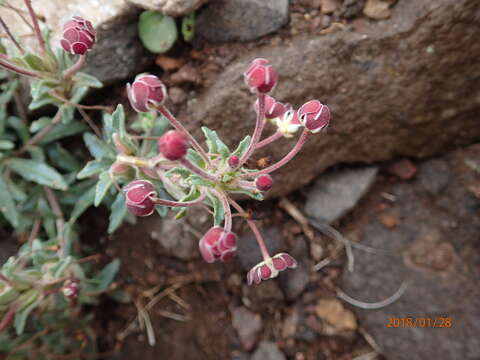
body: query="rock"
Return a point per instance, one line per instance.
(362, 76)
(435, 249)
(352, 8)
(247, 325)
(403, 168)
(329, 6)
(187, 74)
(336, 193)
(388, 220)
(175, 239)
(117, 55)
(170, 7)
(377, 9)
(333, 312)
(268, 351)
(248, 252)
(168, 63)
(225, 20)
(294, 282)
(267, 292)
(177, 95)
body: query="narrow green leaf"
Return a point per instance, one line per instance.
(242, 146)
(87, 80)
(195, 158)
(94, 167)
(215, 145)
(218, 211)
(82, 204)
(61, 131)
(97, 147)
(184, 173)
(34, 62)
(119, 211)
(62, 158)
(22, 316)
(198, 180)
(104, 183)
(105, 277)
(6, 145)
(39, 124)
(7, 204)
(188, 27)
(38, 172)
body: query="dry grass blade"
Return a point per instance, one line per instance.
(374, 305)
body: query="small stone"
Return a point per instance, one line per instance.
(177, 95)
(336, 193)
(289, 328)
(266, 291)
(248, 251)
(294, 282)
(316, 251)
(247, 325)
(170, 7)
(333, 312)
(329, 6)
(175, 239)
(226, 20)
(168, 63)
(268, 351)
(403, 168)
(377, 9)
(187, 74)
(389, 221)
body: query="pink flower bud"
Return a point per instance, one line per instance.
(314, 115)
(71, 288)
(270, 268)
(260, 76)
(173, 145)
(78, 36)
(119, 168)
(233, 161)
(139, 195)
(273, 108)
(146, 92)
(218, 244)
(264, 182)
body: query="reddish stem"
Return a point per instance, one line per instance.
(9, 66)
(11, 37)
(226, 208)
(196, 170)
(298, 146)
(257, 133)
(8, 318)
(36, 27)
(254, 228)
(75, 67)
(269, 140)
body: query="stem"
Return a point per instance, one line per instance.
(5, 64)
(286, 159)
(8, 318)
(256, 232)
(79, 106)
(18, 11)
(257, 133)
(250, 185)
(6, 280)
(90, 122)
(178, 203)
(36, 27)
(196, 170)
(57, 211)
(226, 208)
(269, 140)
(41, 134)
(75, 67)
(178, 126)
(11, 37)
(172, 188)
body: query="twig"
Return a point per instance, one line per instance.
(19, 70)
(295, 213)
(374, 305)
(36, 27)
(322, 264)
(5, 279)
(108, 109)
(57, 211)
(173, 316)
(10, 36)
(368, 356)
(67, 74)
(90, 122)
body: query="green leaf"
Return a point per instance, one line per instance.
(61, 131)
(94, 167)
(157, 32)
(82, 204)
(119, 211)
(218, 211)
(118, 124)
(6, 145)
(242, 147)
(21, 317)
(7, 204)
(59, 268)
(34, 62)
(38, 172)
(188, 27)
(104, 183)
(198, 180)
(61, 158)
(215, 145)
(105, 277)
(97, 147)
(195, 158)
(253, 194)
(87, 80)
(20, 128)
(39, 124)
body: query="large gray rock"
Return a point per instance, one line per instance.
(170, 7)
(336, 193)
(408, 86)
(117, 55)
(243, 20)
(435, 247)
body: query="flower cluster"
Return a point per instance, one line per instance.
(195, 176)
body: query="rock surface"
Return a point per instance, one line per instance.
(336, 193)
(268, 351)
(117, 54)
(247, 325)
(241, 20)
(170, 7)
(435, 247)
(386, 87)
(248, 252)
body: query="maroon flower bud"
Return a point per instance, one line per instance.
(146, 92)
(264, 182)
(273, 108)
(218, 244)
(233, 161)
(314, 115)
(260, 76)
(139, 195)
(270, 268)
(173, 145)
(71, 288)
(78, 36)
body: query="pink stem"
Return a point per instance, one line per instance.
(269, 140)
(196, 170)
(286, 159)
(5, 64)
(227, 210)
(257, 133)
(75, 68)
(256, 232)
(11, 37)
(36, 27)
(250, 185)
(179, 203)
(8, 318)
(178, 126)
